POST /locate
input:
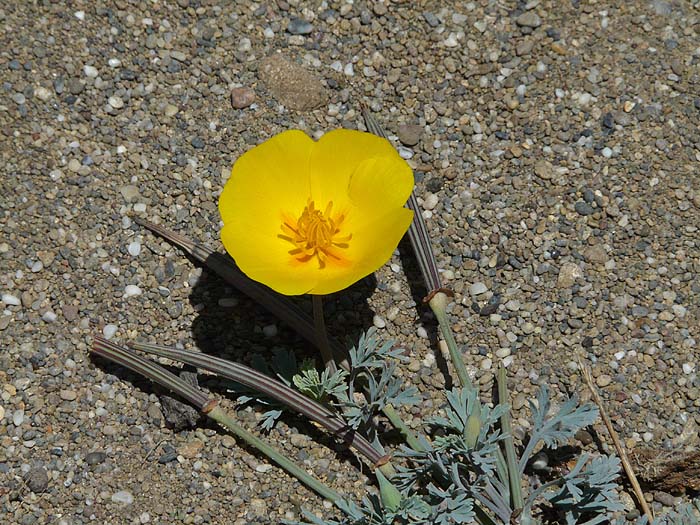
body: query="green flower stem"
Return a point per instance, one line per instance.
(438, 303)
(395, 419)
(221, 417)
(507, 428)
(321, 334)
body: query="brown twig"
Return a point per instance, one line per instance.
(586, 373)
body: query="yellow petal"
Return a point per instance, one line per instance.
(380, 184)
(337, 155)
(370, 247)
(265, 258)
(268, 178)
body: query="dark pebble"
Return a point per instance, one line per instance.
(95, 458)
(169, 454)
(297, 26)
(608, 121)
(488, 310)
(197, 143)
(588, 196)
(432, 20)
(665, 499)
(583, 208)
(14, 65)
(37, 479)
(584, 437)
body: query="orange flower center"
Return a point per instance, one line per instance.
(315, 234)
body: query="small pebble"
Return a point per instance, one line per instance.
(123, 497)
(378, 321)
(430, 201)
(109, 330)
(270, 330)
(242, 97)
(37, 479)
(115, 102)
(134, 248)
(18, 417)
(11, 300)
(95, 458)
(603, 380)
(90, 71)
(131, 290)
(298, 26)
(478, 288)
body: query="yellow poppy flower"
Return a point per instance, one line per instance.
(304, 216)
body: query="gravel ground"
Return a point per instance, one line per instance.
(556, 149)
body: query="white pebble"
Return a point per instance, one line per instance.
(37, 266)
(584, 98)
(139, 207)
(337, 66)
(349, 70)
(507, 361)
(451, 41)
(688, 368)
(486, 364)
(513, 305)
(90, 71)
(430, 201)
(114, 62)
(502, 353)
(405, 153)
(270, 330)
(620, 355)
(521, 90)
(49, 316)
(131, 290)
(121, 150)
(80, 15)
(647, 437)
(18, 417)
(607, 153)
(679, 310)
(109, 330)
(123, 496)
(42, 93)
(378, 321)
(245, 45)
(269, 33)
(422, 333)
(134, 248)
(10, 300)
(115, 102)
(478, 288)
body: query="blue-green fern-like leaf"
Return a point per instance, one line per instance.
(555, 430)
